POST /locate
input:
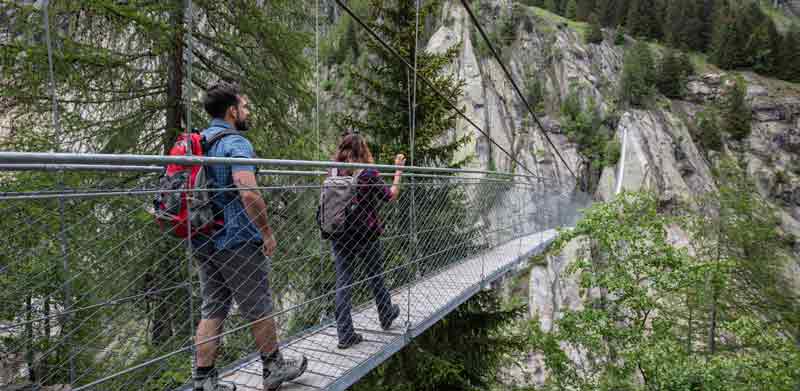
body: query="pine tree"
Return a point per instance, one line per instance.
(682, 24)
(764, 48)
(638, 75)
(553, 6)
(642, 20)
(673, 72)
(723, 45)
(708, 133)
(620, 11)
(571, 9)
(611, 12)
(137, 47)
(705, 19)
(122, 87)
(733, 28)
(789, 55)
(605, 12)
(736, 111)
(585, 10)
(731, 282)
(619, 36)
(382, 88)
(465, 351)
(595, 33)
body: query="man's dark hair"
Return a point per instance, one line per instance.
(219, 97)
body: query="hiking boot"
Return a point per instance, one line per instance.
(211, 383)
(280, 370)
(386, 324)
(354, 340)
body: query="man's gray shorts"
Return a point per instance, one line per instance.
(241, 274)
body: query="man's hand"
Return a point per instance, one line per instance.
(255, 207)
(269, 245)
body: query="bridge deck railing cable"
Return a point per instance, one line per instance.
(128, 321)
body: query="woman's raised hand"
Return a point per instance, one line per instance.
(400, 160)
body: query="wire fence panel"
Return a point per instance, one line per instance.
(96, 295)
(132, 306)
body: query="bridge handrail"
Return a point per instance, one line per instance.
(23, 158)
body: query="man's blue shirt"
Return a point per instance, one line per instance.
(238, 228)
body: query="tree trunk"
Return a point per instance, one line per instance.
(689, 331)
(46, 316)
(175, 79)
(712, 329)
(29, 331)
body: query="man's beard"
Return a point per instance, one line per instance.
(241, 125)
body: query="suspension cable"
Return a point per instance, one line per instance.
(316, 77)
(67, 286)
(428, 83)
(514, 84)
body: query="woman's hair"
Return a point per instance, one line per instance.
(353, 148)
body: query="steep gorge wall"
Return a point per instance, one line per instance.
(659, 154)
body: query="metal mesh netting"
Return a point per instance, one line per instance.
(117, 303)
(97, 295)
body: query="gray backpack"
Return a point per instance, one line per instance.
(336, 203)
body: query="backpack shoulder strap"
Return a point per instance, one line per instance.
(209, 143)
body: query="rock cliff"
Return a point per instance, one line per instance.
(658, 153)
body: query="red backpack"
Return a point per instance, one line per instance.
(176, 197)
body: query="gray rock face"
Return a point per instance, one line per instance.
(551, 292)
(559, 59)
(660, 154)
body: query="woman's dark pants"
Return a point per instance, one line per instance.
(358, 262)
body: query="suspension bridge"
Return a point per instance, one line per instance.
(98, 297)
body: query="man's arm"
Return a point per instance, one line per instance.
(255, 206)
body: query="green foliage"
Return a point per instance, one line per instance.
(729, 38)
(595, 34)
(674, 70)
(736, 34)
(463, 351)
(658, 314)
(764, 48)
(571, 9)
(790, 55)
(585, 9)
(383, 87)
(708, 132)
(117, 71)
(744, 36)
(509, 23)
(638, 75)
(737, 114)
(746, 238)
(619, 36)
(553, 6)
(687, 26)
(34, 265)
(341, 44)
(535, 93)
(587, 129)
(643, 19)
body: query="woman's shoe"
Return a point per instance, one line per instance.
(387, 324)
(354, 340)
